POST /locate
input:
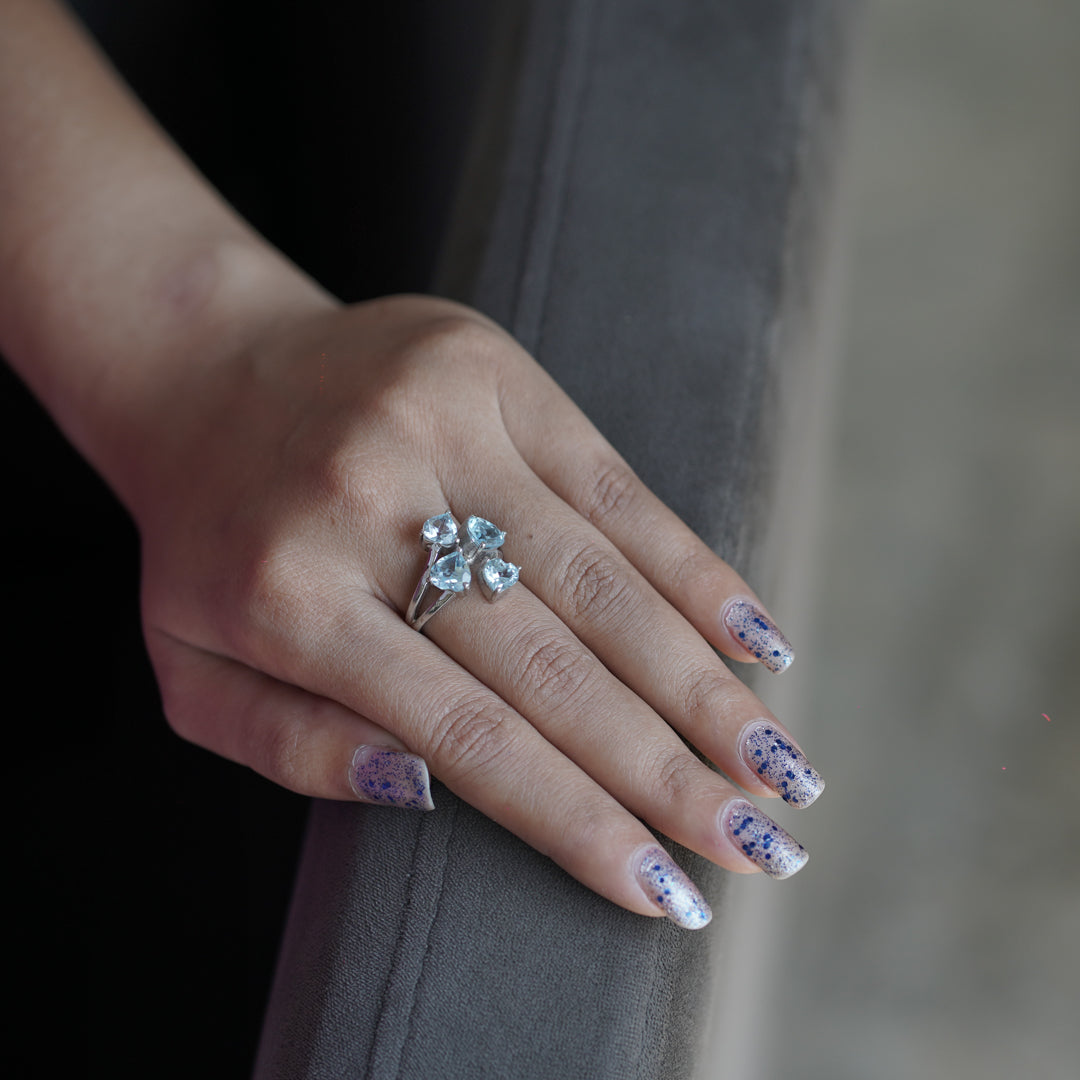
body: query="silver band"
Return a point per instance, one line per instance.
(454, 558)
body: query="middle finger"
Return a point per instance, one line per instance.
(644, 642)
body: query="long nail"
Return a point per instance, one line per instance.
(761, 840)
(390, 778)
(781, 764)
(759, 635)
(671, 890)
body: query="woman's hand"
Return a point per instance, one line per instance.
(280, 507)
(280, 453)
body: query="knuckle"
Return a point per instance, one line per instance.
(689, 564)
(441, 369)
(706, 695)
(173, 699)
(270, 610)
(595, 584)
(472, 735)
(451, 334)
(591, 824)
(610, 492)
(178, 716)
(444, 352)
(346, 483)
(676, 776)
(334, 475)
(553, 669)
(182, 692)
(267, 594)
(278, 750)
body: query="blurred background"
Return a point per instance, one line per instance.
(936, 929)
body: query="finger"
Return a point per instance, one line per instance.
(303, 742)
(490, 756)
(519, 649)
(640, 638)
(596, 481)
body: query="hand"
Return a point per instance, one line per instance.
(279, 454)
(281, 547)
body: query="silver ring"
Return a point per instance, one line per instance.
(454, 556)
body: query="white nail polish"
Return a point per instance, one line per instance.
(666, 886)
(760, 636)
(390, 778)
(761, 840)
(781, 764)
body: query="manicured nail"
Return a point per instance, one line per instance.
(671, 890)
(761, 840)
(781, 764)
(390, 778)
(759, 635)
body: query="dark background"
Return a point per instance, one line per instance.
(150, 878)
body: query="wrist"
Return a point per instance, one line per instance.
(131, 402)
(217, 309)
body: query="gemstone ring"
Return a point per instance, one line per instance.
(453, 557)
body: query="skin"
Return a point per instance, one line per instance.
(279, 451)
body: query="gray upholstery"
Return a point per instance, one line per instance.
(638, 209)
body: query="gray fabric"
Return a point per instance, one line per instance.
(635, 211)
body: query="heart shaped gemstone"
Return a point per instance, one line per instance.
(451, 572)
(484, 533)
(498, 576)
(440, 531)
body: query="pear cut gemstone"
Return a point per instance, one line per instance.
(440, 531)
(451, 572)
(484, 534)
(498, 575)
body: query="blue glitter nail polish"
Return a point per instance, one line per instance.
(760, 636)
(671, 890)
(781, 765)
(390, 778)
(762, 841)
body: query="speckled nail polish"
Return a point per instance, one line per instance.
(671, 890)
(759, 635)
(761, 840)
(390, 778)
(781, 765)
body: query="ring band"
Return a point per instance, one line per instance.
(453, 558)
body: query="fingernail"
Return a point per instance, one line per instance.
(761, 840)
(671, 890)
(759, 635)
(390, 778)
(781, 765)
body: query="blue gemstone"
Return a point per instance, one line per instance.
(484, 533)
(498, 575)
(440, 531)
(451, 572)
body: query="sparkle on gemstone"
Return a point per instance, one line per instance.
(440, 531)
(451, 572)
(484, 533)
(499, 575)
